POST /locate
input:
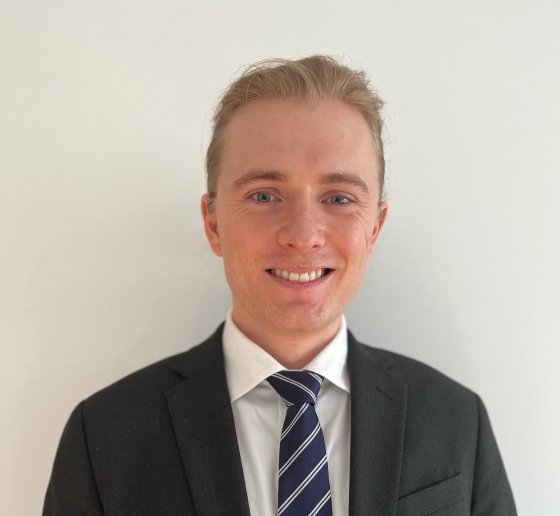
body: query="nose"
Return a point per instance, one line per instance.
(303, 228)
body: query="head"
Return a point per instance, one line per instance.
(295, 173)
(309, 79)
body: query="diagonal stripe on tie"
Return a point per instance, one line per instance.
(297, 384)
(303, 473)
(295, 420)
(302, 447)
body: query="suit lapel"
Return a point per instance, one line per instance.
(378, 411)
(203, 422)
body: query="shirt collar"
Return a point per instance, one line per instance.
(247, 364)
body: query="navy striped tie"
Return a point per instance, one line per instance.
(303, 475)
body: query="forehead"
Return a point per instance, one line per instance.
(297, 136)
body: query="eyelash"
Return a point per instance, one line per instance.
(348, 200)
(254, 194)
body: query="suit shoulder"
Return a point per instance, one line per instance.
(150, 382)
(422, 379)
(415, 370)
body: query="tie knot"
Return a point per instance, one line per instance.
(296, 386)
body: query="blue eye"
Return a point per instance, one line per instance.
(338, 199)
(262, 197)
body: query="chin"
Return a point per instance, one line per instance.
(300, 319)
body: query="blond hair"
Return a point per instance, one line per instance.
(309, 79)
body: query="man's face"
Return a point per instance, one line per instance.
(297, 192)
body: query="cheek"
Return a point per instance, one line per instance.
(242, 239)
(352, 237)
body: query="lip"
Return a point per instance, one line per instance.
(296, 285)
(300, 270)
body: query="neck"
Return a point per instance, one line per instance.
(294, 350)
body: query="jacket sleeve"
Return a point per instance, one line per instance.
(492, 494)
(72, 490)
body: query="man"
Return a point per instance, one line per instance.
(282, 411)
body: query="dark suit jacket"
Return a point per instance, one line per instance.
(162, 442)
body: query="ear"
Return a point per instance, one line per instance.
(382, 210)
(211, 225)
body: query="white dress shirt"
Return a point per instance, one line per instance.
(259, 414)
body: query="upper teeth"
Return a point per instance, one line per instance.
(302, 278)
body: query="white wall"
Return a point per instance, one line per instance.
(104, 118)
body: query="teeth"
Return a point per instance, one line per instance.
(301, 278)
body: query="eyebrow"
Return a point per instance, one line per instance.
(346, 178)
(332, 178)
(261, 175)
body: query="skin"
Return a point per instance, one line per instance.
(297, 191)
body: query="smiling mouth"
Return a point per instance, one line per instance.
(304, 277)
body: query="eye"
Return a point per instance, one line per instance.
(262, 197)
(338, 199)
